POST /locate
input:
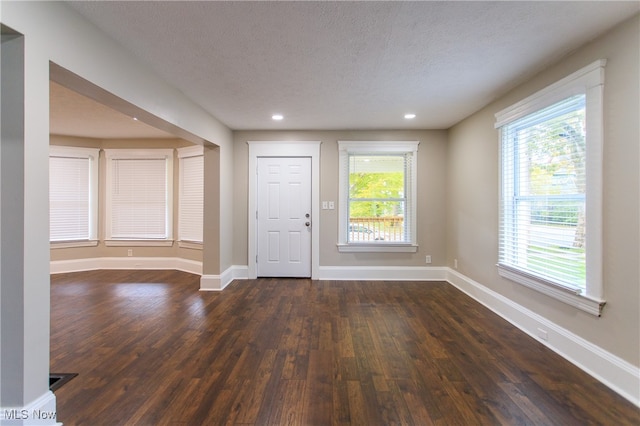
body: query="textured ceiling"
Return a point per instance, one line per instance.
(349, 65)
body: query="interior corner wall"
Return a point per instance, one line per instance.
(25, 271)
(472, 197)
(214, 266)
(53, 33)
(12, 301)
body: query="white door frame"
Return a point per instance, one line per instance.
(284, 149)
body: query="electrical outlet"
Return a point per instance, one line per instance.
(331, 205)
(543, 334)
(427, 259)
(130, 252)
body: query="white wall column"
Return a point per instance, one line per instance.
(24, 285)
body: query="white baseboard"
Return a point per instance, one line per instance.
(42, 411)
(211, 283)
(614, 372)
(370, 273)
(92, 264)
(235, 272)
(219, 282)
(74, 265)
(393, 273)
(187, 265)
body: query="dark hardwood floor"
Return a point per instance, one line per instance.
(150, 349)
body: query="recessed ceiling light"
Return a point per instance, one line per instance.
(409, 116)
(277, 117)
(135, 118)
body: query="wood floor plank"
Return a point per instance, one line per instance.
(413, 395)
(250, 401)
(533, 412)
(341, 410)
(288, 406)
(360, 415)
(466, 405)
(318, 398)
(270, 393)
(151, 349)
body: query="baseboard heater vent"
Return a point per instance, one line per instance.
(56, 380)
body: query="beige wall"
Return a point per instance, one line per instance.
(431, 194)
(101, 250)
(472, 197)
(218, 217)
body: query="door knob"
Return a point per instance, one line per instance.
(307, 224)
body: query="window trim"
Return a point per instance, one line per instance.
(188, 152)
(589, 81)
(93, 156)
(376, 147)
(117, 154)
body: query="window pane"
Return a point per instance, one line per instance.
(139, 198)
(543, 222)
(376, 176)
(191, 198)
(555, 155)
(69, 198)
(376, 227)
(376, 198)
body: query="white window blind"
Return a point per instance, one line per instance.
(191, 198)
(543, 217)
(139, 194)
(72, 194)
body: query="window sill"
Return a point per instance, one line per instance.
(72, 244)
(563, 294)
(190, 245)
(138, 243)
(377, 248)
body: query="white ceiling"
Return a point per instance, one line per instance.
(72, 114)
(342, 65)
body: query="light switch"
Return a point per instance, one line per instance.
(324, 205)
(331, 205)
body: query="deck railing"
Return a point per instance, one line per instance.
(376, 228)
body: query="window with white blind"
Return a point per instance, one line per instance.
(191, 197)
(551, 190)
(139, 192)
(377, 196)
(73, 196)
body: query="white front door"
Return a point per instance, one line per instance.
(284, 217)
